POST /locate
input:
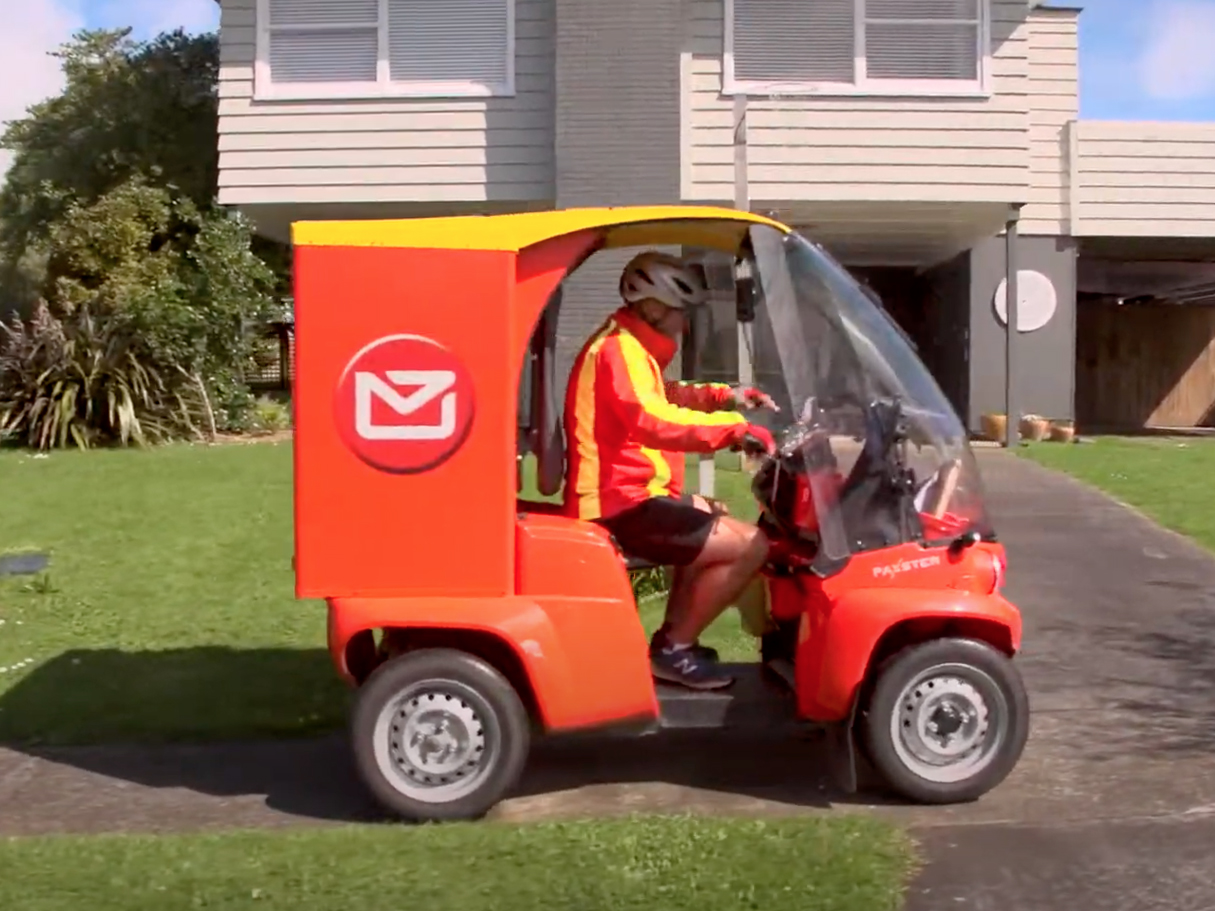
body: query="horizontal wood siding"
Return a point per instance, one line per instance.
(880, 149)
(1054, 102)
(495, 150)
(1145, 179)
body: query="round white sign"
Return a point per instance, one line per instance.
(1036, 300)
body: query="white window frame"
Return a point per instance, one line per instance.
(264, 88)
(863, 86)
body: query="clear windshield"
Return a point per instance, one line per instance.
(877, 443)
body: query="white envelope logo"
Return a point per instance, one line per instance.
(430, 384)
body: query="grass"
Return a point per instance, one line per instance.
(816, 864)
(1170, 479)
(168, 610)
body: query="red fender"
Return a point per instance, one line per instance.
(570, 689)
(836, 644)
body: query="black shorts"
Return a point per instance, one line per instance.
(667, 531)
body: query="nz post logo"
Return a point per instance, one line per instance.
(404, 404)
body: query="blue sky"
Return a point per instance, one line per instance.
(149, 17)
(1147, 59)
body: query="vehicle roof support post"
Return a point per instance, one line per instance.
(742, 202)
(1012, 423)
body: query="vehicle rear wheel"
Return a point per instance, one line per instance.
(439, 734)
(947, 721)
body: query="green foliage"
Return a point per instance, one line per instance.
(270, 415)
(128, 109)
(82, 380)
(146, 327)
(109, 211)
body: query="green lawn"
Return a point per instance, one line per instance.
(168, 611)
(1168, 478)
(812, 864)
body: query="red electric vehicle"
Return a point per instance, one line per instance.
(472, 618)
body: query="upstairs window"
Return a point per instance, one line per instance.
(856, 47)
(309, 49)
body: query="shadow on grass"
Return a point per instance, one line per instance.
(205, 719)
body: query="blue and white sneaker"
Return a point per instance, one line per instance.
(662, 639)
(688, 667)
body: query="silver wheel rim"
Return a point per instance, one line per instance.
(436, 741)
(949, 723)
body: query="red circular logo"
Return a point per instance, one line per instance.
(404, 404)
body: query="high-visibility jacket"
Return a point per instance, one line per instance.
(627, 429)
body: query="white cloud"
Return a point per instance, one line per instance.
(1178, 63)
(27, 73)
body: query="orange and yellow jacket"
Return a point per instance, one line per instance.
(627, 428)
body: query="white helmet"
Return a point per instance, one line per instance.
(664, 278)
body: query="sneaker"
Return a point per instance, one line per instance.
(660, 641)
(688, 668)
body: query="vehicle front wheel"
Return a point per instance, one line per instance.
(439, 735)
(947, 721)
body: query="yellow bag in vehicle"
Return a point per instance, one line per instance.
(755, 608)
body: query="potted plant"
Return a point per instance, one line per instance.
(1063, 430)
(1034, 427)
(993, 425)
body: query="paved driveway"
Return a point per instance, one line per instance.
(1119, 658)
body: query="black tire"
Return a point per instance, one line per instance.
(979, 666)
(483, 704)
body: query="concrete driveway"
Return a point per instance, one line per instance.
(1120, 662)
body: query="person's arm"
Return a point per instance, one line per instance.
(700, 396)
(641, 401)
(717, 396)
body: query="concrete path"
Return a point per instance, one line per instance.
(1119, 658)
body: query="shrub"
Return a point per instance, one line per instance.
(270, 415)
(83, 380)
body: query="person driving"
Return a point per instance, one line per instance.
(627, 432)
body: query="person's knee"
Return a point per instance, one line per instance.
(758, 546)
(734, 541)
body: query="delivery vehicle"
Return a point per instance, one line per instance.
(472, 619)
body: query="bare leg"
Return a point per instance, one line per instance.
(677, 600)
(734, 553)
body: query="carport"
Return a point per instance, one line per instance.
(1145, 333)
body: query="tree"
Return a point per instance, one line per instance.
(128, 109)
(148, 290)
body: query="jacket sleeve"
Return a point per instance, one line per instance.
(639, 398)
(700, 396)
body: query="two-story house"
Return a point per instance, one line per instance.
(903, 134)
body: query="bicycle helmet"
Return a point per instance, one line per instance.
(664, 278)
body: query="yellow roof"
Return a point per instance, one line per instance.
(625, 226)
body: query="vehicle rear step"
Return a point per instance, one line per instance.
(759, 698)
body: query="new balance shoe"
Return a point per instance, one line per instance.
(689, 668)
(661, 640)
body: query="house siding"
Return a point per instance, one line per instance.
(1053, 104)
(617, 133)
(858, 148)
(1144, 179)
(492, 150)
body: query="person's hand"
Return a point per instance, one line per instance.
(755, 440)
(748, 397)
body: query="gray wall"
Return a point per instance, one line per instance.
(1045, 372)
(617, 133)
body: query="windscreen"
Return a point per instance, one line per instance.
(850, 374)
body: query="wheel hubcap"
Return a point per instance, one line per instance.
(435, 742)
(949, 723)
